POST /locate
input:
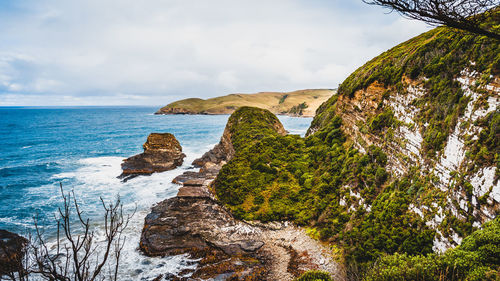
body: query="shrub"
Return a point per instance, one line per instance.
(315, 275)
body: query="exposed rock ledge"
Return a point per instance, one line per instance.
(195, 223)
(12, 247)
(162, 152)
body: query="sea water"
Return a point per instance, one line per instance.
(82, 148)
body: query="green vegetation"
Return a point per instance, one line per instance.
(347, 197)
(283, 98)
(315, 275)
(486, 149)
(477, 258)
(298, 110)
(382, 120)
(302, 103)
(274, 177)
(438, 55)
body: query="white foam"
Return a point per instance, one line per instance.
(97, 177)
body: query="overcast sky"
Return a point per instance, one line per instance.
(152, 52)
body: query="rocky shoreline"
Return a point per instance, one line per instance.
(195, 223)
(12, 250)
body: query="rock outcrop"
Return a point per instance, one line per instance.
(162, 152)
(193, 222)
(196, 223)
(437, 122)
(224, 151)
(12, 247)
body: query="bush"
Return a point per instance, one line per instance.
(276, 177)
(477, 258)
(315, 275)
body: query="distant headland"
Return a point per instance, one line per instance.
(301, 103)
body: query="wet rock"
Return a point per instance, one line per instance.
(12, 249)
(180, 179)
(162, 152)
(221, 153)
(194, 182)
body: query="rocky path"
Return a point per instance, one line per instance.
(296, 252)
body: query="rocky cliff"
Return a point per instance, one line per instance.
(162, 152)
(297, 103)
(404, 159)
(432, 105)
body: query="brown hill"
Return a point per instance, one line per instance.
(297, 103)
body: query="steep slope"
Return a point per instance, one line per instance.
(297, 103)
(404, 159)
(431, 104)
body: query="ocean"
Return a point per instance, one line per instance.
(82, 148)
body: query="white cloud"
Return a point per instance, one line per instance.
(152, 52)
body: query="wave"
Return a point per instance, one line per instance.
(23, 224)
(97, 178)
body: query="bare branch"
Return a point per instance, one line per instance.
(77, 254)
(468, 15)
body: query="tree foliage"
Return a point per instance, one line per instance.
(477, 258)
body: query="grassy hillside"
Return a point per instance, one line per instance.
(433, 60)
(297, 103)
(403, 160)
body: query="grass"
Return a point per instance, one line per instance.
(276, 102)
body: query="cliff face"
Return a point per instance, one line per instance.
(404, 159)
(298, 103)
(245, 119)
(432, 105)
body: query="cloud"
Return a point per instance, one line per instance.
(156, 51)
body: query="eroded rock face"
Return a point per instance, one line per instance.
(162, 152)
(192, 221)
(224, 151)
(220, 154)
(12, 247)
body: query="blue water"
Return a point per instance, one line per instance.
(82, 148)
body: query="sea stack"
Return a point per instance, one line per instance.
(162, 152)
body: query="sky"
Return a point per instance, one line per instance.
(153, 52)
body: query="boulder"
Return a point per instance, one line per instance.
(162, 152)
(193, 222)
(12, 250)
